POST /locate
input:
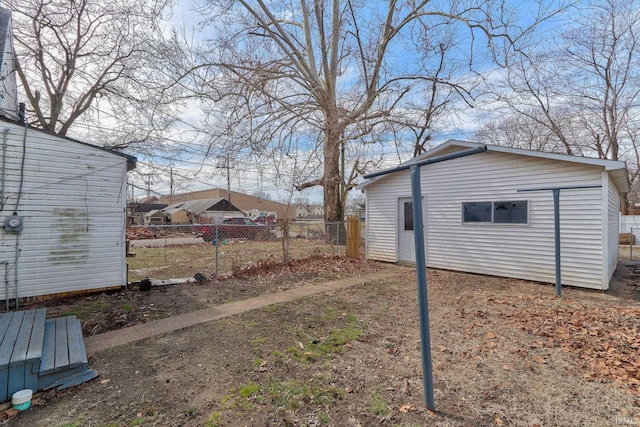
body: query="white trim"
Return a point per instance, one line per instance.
(604, 208)
(610, 165)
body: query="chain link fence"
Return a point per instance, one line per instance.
(204, 251)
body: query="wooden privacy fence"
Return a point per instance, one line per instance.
(353, 236)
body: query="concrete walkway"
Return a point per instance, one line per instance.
(99, 342)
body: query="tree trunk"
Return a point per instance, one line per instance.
(333, 207)
(331, 181)
(624, 203)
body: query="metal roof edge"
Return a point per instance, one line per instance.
(609, 165)
(131, 160)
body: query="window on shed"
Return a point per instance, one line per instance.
(408, 216)
(513, 212)
(476, 212)
(503, 212)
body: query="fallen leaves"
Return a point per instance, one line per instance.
(406, 408)
(539, 359)
(604, 342)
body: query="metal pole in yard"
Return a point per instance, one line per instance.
(421, 267)
(165, 248)
(556, 223)
(217, 245)
(423, 302)
(337, 237)
(631, 244)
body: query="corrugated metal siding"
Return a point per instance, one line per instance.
(613, 221)
(73, 202)
(521, 251)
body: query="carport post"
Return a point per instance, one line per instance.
(421, 273)
(556, 224)
(421, 263)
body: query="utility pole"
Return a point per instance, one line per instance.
(171, 181)
(148, 186)
(226, 166)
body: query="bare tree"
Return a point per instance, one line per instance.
(527, 131)
(584, 86)
(312, 76)
(102, 65)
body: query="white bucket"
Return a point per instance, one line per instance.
(21, 400)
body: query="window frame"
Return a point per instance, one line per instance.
(493, 207)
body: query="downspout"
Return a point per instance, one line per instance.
(15, 268)
(5, 131)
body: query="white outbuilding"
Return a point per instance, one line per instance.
(62, 214)
(478, 219)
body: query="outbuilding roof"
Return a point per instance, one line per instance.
(198, 206)
(617, 169)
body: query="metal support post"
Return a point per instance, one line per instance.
(423, 302)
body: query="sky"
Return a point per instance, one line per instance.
(194, 172)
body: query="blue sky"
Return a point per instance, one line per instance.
(249, 177)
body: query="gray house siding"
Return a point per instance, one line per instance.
(72, 197)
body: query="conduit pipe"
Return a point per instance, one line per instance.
(6, 283)
(15, 269)
(5, 131)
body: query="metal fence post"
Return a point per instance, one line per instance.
(217, 246)
(631, 244)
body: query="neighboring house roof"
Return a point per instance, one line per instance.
(199, 206)
(616, 169)
(5, 18)
(148, 207)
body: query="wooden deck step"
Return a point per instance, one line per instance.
(37, 354)
(21, 335)
(63, 352)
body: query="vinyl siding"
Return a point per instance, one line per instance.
(613, 224)
(73, 202)
(8, 79)
(512, 250)
(382, 215)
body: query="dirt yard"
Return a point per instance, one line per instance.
(505, 353)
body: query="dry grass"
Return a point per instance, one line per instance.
(505, 353)
(172, 262)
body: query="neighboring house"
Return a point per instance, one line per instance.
(302, 211)
(256, 213)
(202, 211)
(356, 209)
(141, 210)
(309, 211)
(476, 220)
(317, 210)
(242, 201)
(71, 200)
(8, 86)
